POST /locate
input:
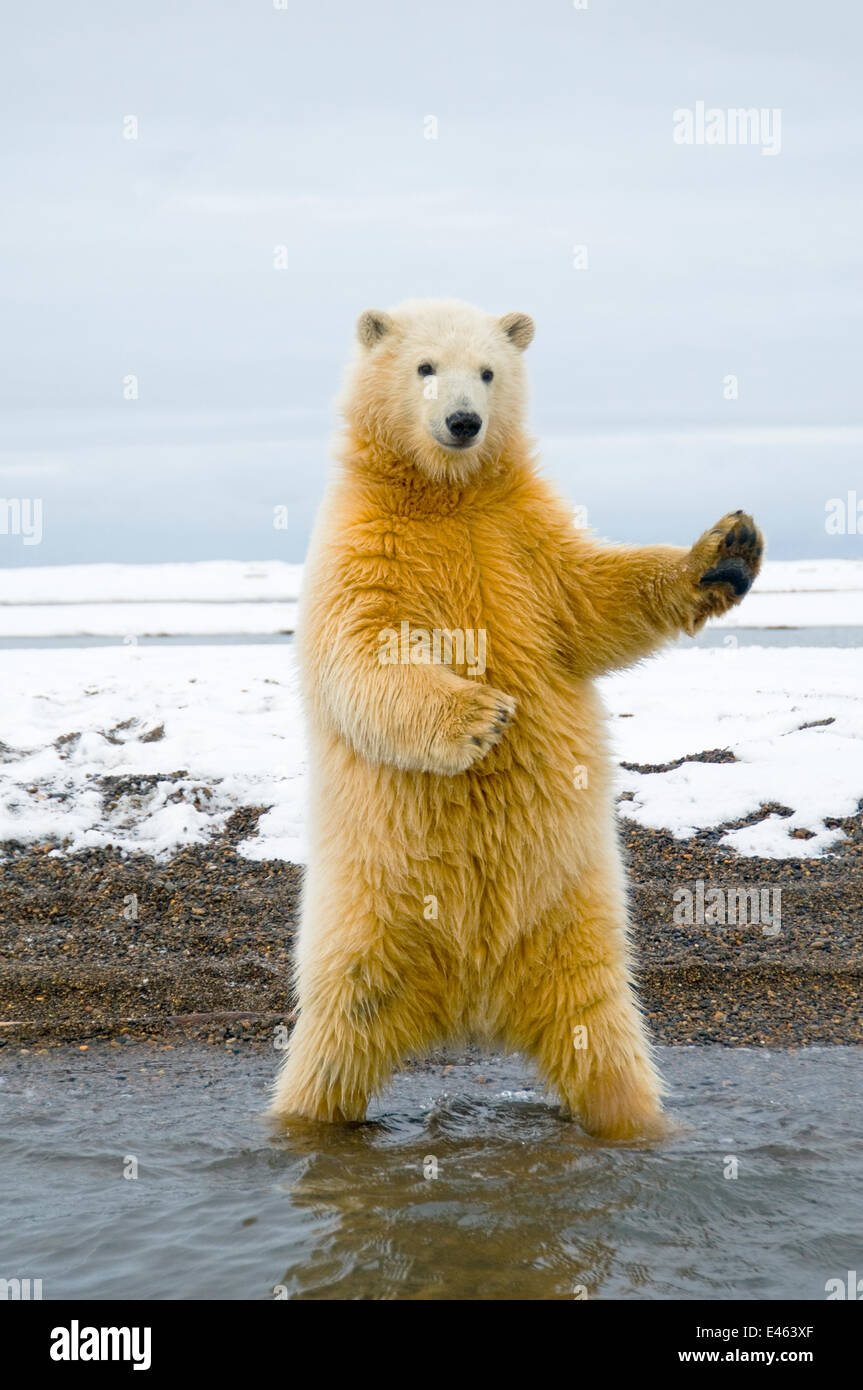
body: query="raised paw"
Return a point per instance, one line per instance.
(725, 562)
(482, 719)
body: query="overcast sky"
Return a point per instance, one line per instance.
(305, 128)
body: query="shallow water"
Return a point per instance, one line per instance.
(523, 1204)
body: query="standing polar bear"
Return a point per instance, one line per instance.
(464, 876)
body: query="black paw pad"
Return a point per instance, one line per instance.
(731, 571)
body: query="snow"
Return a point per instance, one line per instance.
(133, 620)
(212, 598)
(797, 609)
(214, 728)
(753, 701)
(209, 581)
(796, 576)
(225, 719)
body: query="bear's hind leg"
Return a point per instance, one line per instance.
(565, 998)
(358, 1020)
(332, 1067)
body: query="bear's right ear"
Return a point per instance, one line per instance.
(372, 325)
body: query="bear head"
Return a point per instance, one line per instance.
(439, 384)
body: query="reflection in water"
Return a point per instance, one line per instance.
(463, 1184)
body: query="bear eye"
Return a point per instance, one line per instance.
(425, 369)
(487, 374)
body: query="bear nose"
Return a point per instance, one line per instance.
(463, 425)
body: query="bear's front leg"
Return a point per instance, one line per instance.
(624, 602)
(419, 717)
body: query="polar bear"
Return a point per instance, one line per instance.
(464, 876)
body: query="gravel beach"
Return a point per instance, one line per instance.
(104, 945)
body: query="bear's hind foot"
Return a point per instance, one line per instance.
(620, 1106)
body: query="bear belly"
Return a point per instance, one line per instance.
(496, 844)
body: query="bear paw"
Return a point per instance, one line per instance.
(483, 717)
(724, 564)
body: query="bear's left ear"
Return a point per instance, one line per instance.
(372, 325)
(519, 328)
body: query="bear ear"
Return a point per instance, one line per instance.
(372, 325)
(519, 328)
